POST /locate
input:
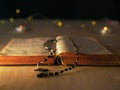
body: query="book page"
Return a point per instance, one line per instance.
(34, 46)
(25, 47)
(64, 44)
(87, 45)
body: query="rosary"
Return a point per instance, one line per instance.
(58, 60)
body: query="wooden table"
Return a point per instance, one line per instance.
(80, 78)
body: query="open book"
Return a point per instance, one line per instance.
(30, 51)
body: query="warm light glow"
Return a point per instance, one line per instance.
(59, 23)
(103, 32)
(21, 26)
(93, 23)
(30, 18)
(18, 11)
(11, 19)
(2, 21)
(105, 28)
(82, 25)
(20, 29)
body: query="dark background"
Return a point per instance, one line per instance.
(64, 9)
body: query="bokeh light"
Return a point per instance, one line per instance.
(11, 19)
(105, 30)
(2, 21)
(18, 11)
(93, 23)
(20, 29)
(59, 23)
(29, 18)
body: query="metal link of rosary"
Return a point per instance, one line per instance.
(45, 73)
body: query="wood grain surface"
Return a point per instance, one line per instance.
(79, 78)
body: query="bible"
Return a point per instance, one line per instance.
(30, 51)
